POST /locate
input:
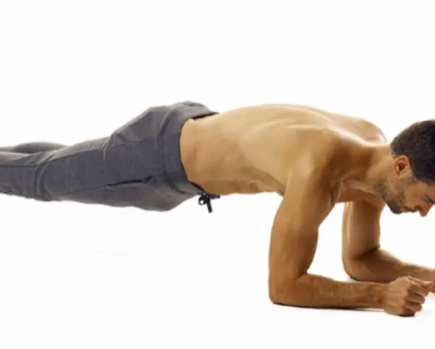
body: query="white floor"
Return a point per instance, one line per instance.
(78, 276)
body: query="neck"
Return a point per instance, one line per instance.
(370, 168)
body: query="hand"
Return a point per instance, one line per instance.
(405, 295)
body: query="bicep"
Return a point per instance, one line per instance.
(361, 228)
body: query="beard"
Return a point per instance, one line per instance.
(393, 194)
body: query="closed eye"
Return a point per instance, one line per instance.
(429, 200)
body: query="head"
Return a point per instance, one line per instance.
(410, 187)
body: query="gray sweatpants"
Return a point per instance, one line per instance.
(138, 165)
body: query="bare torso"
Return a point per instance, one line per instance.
(313, 159)
(253, 149)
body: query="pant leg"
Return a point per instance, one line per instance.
(33, 147)
(47, 171)
(103, 171)
(138, 165)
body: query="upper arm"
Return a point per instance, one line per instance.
(361, 228)
(305, 204)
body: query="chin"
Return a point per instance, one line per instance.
(395, 209)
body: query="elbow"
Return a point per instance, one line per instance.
(278, 298)
(283, 293)
(356, 270)
(274, 292)
(351, 270)
(360, 267)
(275, 296)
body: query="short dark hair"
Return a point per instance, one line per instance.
(417, 142)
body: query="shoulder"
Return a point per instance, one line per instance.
(371, 131)
(361, 126)
(303, 152)
(318, 159)
(326, 145)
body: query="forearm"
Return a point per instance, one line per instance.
(381, 266)
(321, 292)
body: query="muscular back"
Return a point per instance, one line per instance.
(255, 149)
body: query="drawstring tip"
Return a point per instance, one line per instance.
(205, 199)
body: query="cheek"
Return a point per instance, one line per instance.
(413, 197)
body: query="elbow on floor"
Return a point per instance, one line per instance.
(273, 297)
(355, 271)
(279, 297)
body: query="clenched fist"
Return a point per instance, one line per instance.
(405, 295)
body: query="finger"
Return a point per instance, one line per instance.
(416, 298)
(419, 290)
(406, 312)
(414, 307)
(427, 284)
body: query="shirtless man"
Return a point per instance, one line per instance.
(313, 158)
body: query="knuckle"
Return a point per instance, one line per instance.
(403, 280)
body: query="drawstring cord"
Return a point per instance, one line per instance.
(205, 199)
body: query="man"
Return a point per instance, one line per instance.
(314, 159)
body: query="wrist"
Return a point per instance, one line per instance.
(426, 275)
(377, 295)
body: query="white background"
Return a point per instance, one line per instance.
(81, 276)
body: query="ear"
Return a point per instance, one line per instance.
(402, 166)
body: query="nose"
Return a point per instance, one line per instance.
(424, 210)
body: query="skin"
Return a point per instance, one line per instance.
(316, 159)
